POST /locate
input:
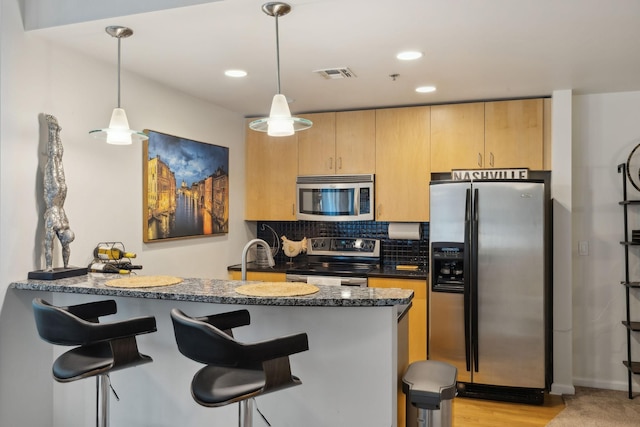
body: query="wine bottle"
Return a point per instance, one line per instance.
(127, 266)
(111, 252)
(105, 267)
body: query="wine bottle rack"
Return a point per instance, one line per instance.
(123, 263)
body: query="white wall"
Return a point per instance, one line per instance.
(606, 128)
(104, 200)
(561, 188)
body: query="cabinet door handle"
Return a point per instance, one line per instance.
(491, 159)
(479, 159)
(293, 209)
(330, 163)
(339, 162)
(379, 211)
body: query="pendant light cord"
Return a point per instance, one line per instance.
(278, 53)
(119, 40)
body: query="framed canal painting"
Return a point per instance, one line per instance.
(185, 188)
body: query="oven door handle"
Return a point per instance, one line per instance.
(344, 281)
(295, 278)
(354, 281)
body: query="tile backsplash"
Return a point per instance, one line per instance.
(394, 252)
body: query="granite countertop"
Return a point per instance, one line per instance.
(382, 271)
(220, 292)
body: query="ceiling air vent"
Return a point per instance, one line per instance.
(336, 73)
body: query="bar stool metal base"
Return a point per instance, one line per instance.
(102, 400)
(246, 413)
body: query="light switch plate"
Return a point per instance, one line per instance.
(583, 248)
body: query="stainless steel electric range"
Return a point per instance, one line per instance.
(336, 261)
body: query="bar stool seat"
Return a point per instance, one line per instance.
(102, 347)
(216, 386)
(234, 371)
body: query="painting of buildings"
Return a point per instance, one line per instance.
(186, 188)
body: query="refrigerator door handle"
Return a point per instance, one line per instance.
(467, 281)
(474, 283)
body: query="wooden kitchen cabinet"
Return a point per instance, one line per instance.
(403, 164)
(417, 329)
(417, 313)
(457, 136)
(356, 142)
(317, 145)
(547, 133)
(338, 143)
(259, 275)
(487, 135)
(514, 134)
(271, 168)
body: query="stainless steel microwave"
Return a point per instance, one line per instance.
(335, 197)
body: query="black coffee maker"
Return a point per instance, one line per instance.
(447, 267)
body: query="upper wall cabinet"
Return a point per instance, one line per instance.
(547, 133)
(356, 142)
(484, 135)
(271, 169)
(317, 145)
(338, 143)
(402, 164)
(457, 136)
(514, 134)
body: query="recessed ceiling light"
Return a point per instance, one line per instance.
(425, 89)
(409, 55)
(235, 73)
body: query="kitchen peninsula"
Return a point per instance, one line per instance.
(349, 375)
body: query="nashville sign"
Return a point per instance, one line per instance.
(483, 174)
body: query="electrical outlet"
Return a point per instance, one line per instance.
(583, 248)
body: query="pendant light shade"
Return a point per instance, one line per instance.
(118, 132)
(280, 122)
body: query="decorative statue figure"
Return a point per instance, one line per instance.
(55, 193)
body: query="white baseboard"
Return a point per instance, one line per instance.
(608, 385)
(557, 388)
(562, 389)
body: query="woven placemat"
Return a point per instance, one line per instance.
(277, 289)
(143, 281)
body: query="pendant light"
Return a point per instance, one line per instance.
(118, 132)
(279, 122)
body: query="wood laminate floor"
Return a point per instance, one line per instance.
(468, 412)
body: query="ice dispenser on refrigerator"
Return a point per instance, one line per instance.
(447, 273)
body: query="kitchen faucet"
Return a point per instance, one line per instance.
(262, 243)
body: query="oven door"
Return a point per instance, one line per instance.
(327, 280)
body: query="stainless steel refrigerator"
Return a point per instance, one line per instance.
(489, 286)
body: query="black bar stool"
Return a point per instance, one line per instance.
(103, 347)
(235, 372)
